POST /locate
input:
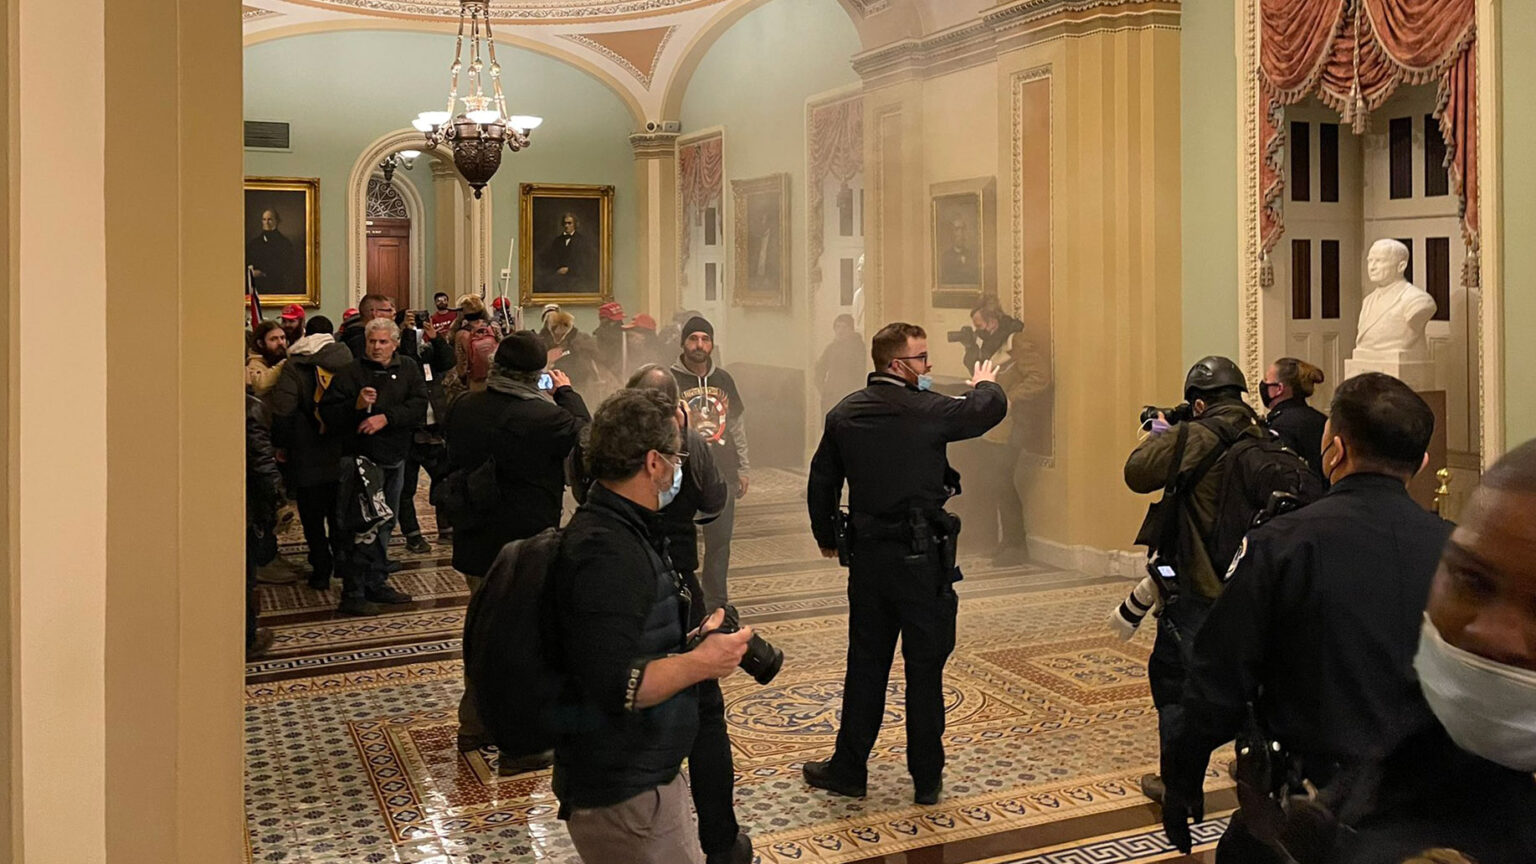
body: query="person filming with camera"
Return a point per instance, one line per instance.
(1189, 534)
(899, 545)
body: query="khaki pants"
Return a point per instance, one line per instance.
(651, 828)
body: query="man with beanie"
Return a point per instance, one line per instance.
(524, 432)
(715, 410)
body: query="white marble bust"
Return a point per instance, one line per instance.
(1393, 316)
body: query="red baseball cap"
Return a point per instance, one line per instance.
(350, 313)
(610, 312)
(643, 322)
(500, 302)
(293, 312)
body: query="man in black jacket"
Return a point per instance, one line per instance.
(312, 456)
(375, 406)
(888, 443)
(621, 611)
(527, 432)
(263, 496)
(701, 495)
(1320, 619)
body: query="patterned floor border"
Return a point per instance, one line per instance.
(1139, 846)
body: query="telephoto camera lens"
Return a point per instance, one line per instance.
(762, 661)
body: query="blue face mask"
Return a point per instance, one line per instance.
(669, 495)
(925, 382)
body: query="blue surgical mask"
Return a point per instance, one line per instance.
(669, 495)
(925, 382)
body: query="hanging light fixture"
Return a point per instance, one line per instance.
(478, 133)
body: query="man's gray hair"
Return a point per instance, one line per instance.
(384, 324)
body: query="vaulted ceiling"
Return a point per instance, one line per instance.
(643, 49)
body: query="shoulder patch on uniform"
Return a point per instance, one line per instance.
(1242, 549)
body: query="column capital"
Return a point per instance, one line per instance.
(654, 145)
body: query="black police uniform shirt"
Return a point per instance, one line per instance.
(1300, 427)
(1319, 624)
(888, 441)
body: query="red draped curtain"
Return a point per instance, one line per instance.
(835, 139)
(1352, 55)
(699, 182)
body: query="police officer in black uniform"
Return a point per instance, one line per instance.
(888, 442)
(1317, 627)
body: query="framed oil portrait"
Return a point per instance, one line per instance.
(282, 239)
(565, 244)
(761, 208)
(964, 242)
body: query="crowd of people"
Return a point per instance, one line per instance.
(1375, 664)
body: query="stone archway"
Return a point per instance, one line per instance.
(476, 242)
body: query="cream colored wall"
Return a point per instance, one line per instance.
(961, 114)
(125, 498)
(1208, 171)
(1518, 187)
(1116, 293)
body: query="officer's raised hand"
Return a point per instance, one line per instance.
(984, 371)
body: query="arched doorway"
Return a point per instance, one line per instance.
(390, 241)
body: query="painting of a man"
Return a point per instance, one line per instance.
(569, 261)
(565, 245)
(764, 245)
(958, 265)
(272, 259)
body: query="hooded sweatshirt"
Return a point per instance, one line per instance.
(715, 411)
(312, 458)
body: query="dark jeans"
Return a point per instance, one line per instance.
(711, 774)
(717, 551)
(1004, 505)
(1168, 665)
(891, 594)
(428, 455)
(365, 566)
(317, 513)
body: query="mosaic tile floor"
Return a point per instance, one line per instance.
(350, 723)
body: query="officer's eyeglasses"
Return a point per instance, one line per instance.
(682, 456)
(923, 357)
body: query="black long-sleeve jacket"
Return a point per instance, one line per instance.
(1318, 626)
(402, 399)
(888, 442)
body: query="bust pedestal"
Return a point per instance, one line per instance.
(1417, 372)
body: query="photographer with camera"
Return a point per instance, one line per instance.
(1307, 657)
(1188, 464)
(621, 610)
(888, 441)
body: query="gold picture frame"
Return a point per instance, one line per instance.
(283, 266)
(964, 241)
(578, 271)
(762, 241)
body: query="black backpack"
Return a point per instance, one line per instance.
(1261, 472)
(511, 648)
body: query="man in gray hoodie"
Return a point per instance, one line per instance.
(715, 410)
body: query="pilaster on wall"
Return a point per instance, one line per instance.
(127, 525)
(895, 288)
(656, 184)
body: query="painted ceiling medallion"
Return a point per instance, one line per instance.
(525, 11)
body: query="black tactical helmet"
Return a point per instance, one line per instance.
(1214, 373)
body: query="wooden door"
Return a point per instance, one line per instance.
(389, 259)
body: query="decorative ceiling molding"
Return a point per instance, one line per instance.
(516, 11)
(253, 13)
(871, 7)
(637, 52)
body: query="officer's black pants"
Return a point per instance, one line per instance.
(890, 595)
(1238, 846)
(428, 455)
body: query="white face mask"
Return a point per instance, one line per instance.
(1488, 708)
(667, 496)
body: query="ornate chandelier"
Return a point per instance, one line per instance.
(478, 133)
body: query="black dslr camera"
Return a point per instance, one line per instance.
(963, 336)
(1180, 413)
(762, 660)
